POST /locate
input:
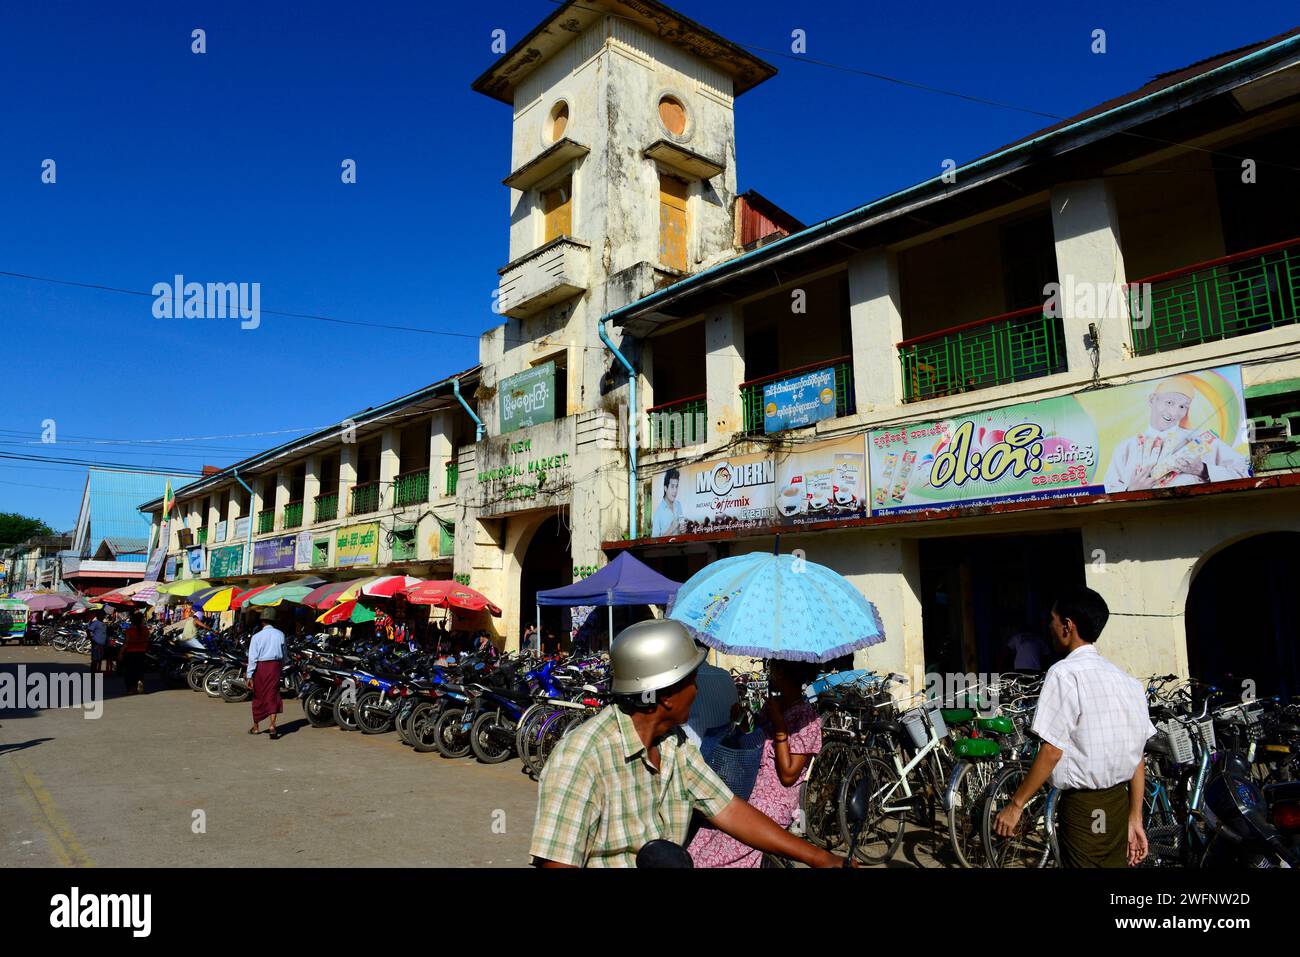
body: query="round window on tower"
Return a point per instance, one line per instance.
(557, 122)
(673, 115)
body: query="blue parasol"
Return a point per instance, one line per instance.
(777, 606)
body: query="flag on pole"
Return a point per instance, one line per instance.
(153, 570)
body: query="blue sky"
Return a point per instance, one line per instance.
(225, 167)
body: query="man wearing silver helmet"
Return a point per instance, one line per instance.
(628, 776)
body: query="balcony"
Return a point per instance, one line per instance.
(293, 515)
(751, 392)
(265, 521)
(1009, 348)
(1207, 302)
(327, 507)
(549, 274)
(365, 498)
(411, 488)
(675, 425)
(452, 476)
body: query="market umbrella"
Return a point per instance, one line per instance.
(354, 588)
(242, 598)
(327, 595)
(449, 594)
(184, 589)
(386, 586)
(216, 598)
(777, 606)
(49, 602)
(347, 611)
(275, 594)
(142, 592)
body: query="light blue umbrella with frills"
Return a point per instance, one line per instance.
(777, 606)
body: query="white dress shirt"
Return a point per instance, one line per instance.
(266, 645)
(1097, 715)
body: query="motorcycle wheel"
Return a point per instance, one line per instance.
(369, 719)
(345, 714)
(452, 741)
(483, 742)
(422, 727)
(194, 677)
(402, 722)
(212, 681)
(235, 687)
(318, 709)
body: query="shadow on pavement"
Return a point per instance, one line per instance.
(22, 745)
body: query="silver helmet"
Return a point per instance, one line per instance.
(652, 655)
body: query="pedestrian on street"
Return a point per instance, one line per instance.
(716, 705)
(98, 640)
(628, 776)
(265, 662)
(1093, 722)
(131, 663)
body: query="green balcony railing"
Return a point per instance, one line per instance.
(1019, 345)
(265, 521)
(365, 498)
(327, 506)
(675, 425)
(293, 515)
(1233, 296)
(452, 476)
(411, 488)
(751, 392)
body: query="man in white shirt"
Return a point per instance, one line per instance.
(1093, 722)
(266, 656)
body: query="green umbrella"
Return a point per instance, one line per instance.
(285, 591)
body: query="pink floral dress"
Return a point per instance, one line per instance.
(711, 847)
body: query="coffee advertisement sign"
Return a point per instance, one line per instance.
(825, 481)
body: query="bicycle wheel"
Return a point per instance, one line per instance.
(965, 817)
(881, 833)
(1165, 839)
(1030, 846)
(820, 791)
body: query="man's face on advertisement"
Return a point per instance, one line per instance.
(1168, 409)
(670, 490)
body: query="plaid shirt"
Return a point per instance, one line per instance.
(601, 799)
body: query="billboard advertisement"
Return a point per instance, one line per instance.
(798, 401)
(273, 554)
(357, 545)
(1187, 429)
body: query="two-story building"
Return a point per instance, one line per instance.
(1104, 314)
(374, 494)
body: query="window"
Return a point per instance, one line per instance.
(672, 222)
(404, 545)
(557, 122)
(673, 115)
(320, 552)
(557, 210)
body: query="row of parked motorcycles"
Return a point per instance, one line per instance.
(494, 707)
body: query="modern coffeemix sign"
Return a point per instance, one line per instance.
(527, 398)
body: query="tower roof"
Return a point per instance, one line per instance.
(503, 77)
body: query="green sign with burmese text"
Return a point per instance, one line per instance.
(528, 398)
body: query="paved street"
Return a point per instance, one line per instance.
(122, 790)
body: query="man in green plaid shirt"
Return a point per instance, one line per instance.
(628, 776)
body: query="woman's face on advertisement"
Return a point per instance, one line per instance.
(1168, 409)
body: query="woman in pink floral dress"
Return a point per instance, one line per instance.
(794, 735)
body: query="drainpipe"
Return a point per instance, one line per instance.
(478, 423)
(248, 548)
(631, 428)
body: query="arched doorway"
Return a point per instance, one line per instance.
(546, 564)
(1238, 626)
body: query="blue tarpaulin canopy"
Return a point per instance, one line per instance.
(624, 581)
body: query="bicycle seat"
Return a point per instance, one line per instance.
(885, 727)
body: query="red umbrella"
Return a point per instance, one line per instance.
(448, 594)
(243, 596)
(346, 611)
(389, 585)
(327, 595)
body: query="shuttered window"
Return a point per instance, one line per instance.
(672, 222)
(557, 210)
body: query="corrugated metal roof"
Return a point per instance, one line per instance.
(115, 499)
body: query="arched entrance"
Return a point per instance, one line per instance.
(546, 564)
(1238, 625)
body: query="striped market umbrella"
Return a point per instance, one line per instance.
(327, 595)
(347, 611)
(184, 589)
(243, 597)
(214, 599)
(277, 594)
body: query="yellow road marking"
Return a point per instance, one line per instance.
(45, 815)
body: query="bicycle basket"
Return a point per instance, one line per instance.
(736, 759)
(914, 722)
(1175, 741)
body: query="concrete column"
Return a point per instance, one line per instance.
(1090, 266)
(390, 466)
(213, 516)
(310, 489)
(724, 369)
(440, 453)
(347, 476)
(876, 317)
(232, 510)
(281, 496)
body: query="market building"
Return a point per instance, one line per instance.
(374, 494)
(1104, 314)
